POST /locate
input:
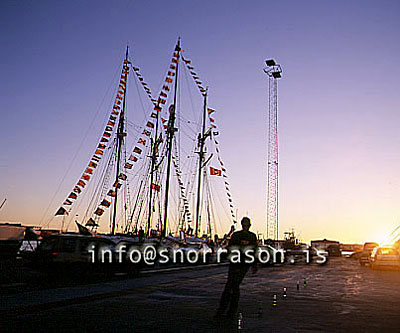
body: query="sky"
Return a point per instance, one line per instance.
(338, 101)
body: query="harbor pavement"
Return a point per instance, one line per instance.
(337, 297)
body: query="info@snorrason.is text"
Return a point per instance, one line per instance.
(150, 255)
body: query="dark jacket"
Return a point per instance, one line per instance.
(243, 240)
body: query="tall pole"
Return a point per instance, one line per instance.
(120, 140)
(201, 141)
(154, 147)
(273, 71)
(171, 132)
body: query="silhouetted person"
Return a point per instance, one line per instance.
(141, 235)
(242, 240)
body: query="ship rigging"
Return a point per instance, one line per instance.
(153, 189)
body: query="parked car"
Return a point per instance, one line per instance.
(366, 253)
(385, 257)
(74, 254)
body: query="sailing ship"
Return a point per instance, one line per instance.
(161, 187)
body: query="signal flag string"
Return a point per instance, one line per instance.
(223, 171)
(147, 132)
(99, 152)
(194, 75)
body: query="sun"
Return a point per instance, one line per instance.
(383, 238)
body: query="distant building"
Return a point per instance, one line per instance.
(323, 244)
(330, 246)
(351, 247)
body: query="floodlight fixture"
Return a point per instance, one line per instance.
(270, 62)
(273, 69)
(276, 75)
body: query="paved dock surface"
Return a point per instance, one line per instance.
(339, 296)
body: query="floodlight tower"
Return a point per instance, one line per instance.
(273, 70)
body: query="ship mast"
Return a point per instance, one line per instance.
(120, 139)
(170, 136)
(201, 141)
(154, 149)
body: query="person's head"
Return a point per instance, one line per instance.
(246, 223)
